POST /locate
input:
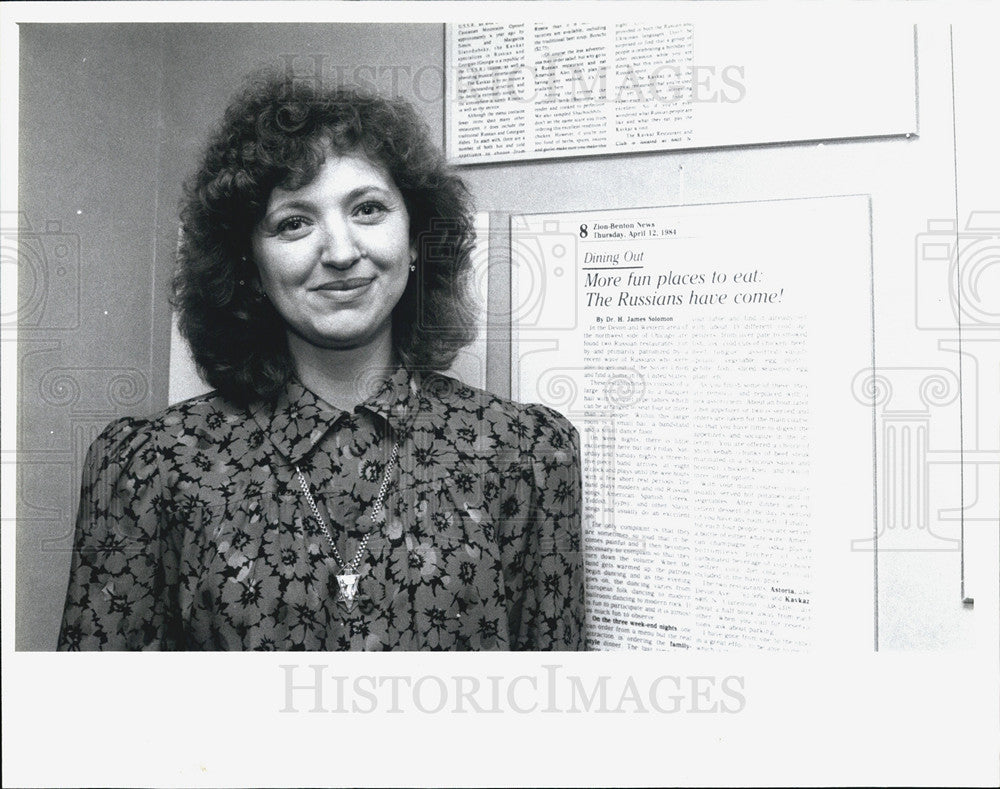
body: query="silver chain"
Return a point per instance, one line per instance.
(376, 507)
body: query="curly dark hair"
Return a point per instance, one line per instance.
(277, 132)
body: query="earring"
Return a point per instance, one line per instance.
(243, 282)
(413, 267)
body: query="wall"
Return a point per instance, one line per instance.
(113, 119)
(89, 346)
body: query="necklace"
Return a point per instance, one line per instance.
(348, 576)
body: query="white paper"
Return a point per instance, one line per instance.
(706, 355)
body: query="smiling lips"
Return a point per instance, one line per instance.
(354, 283)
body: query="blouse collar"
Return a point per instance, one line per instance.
(297, 420)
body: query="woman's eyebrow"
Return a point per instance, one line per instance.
(293, 203)
(304, 204)
(361, 191)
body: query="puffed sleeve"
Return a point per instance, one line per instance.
(123, 576)
(541, 538)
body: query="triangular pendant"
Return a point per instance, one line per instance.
(348, 587)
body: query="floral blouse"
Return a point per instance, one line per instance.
(194, 533)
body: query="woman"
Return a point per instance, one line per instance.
(335, 491)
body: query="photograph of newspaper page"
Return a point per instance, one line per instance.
(706, 355)
(545, 89)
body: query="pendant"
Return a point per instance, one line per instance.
(348, 587)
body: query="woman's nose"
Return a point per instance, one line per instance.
(339, 248)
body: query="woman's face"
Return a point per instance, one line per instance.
(334, 255)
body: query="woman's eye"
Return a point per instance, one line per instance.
(370, 210)
(292, 226)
